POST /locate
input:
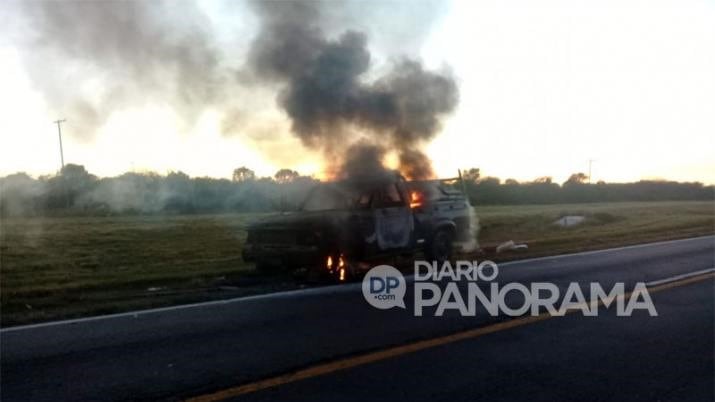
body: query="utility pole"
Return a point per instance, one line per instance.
(59, 131)
(590, 162)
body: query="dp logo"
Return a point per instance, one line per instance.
(384, 287)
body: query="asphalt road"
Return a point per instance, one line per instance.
(333, 345)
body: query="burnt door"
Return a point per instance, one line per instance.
(393, 218)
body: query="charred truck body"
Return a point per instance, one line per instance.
(343, 226)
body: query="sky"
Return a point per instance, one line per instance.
(544, 87)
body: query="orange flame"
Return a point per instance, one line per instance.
(341, 267)
(415, 199)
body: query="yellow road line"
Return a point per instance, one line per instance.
(350, 362)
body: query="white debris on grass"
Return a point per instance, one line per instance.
(570, 220)
(510, 245)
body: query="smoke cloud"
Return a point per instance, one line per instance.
(328, 99)
(91, 59)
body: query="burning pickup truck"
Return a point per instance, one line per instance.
(345, 226)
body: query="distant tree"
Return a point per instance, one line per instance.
(177, 176)
(19, 177)
(178, 193)
(576, 178)
(72, 170)
(489, 181)
(471, 175)
(243, 174)
(266, 180)
(543, 180)
(72, 183)
(511, 182)
(286, 176)
(20, 194)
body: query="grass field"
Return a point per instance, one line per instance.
(53, 268)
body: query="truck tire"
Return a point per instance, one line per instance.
(440, 247)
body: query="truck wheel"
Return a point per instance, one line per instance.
(440, 248)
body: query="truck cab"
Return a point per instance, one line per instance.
(346, 225)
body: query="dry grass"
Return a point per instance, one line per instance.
(66, 267)
(606, 225)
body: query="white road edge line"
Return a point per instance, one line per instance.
(605, 250)
(320, 290)
(679, 277)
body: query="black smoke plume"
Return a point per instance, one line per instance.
(329, 99)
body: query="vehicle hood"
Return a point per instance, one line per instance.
(301, 220)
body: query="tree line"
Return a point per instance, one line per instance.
(76, 191)
(543, 190)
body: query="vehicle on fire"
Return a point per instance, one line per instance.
(345, 226)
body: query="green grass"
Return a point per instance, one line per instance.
(63, 267)
(606, 225)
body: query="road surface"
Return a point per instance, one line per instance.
(328, 343)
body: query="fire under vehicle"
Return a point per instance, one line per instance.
(345, 226)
